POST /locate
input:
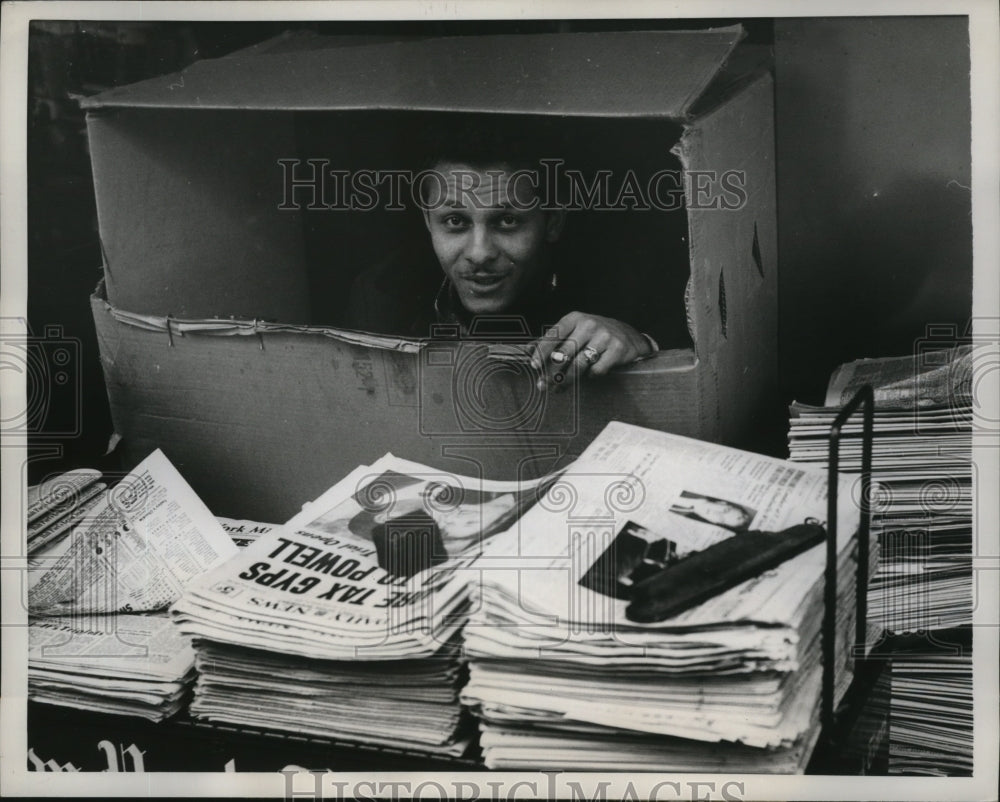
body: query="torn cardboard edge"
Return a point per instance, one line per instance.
(672, 359)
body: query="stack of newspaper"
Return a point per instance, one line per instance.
(92, 642)
(571, 667)
(343, 622)
(922, 518)
(922, 464)
(58, 504)
(407, 704)
(930, 731)
(136, 665)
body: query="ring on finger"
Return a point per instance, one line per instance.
(590, 354)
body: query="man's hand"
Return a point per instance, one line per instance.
(581, 344)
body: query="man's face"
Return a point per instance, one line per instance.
(489, 240)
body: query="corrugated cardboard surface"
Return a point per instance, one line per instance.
(637, 73)
(261, 424)
(186, 205)
(733, 300)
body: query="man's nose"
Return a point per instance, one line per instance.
(481, 248)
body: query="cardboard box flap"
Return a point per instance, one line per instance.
(619, 74)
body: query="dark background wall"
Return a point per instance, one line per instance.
(874, 227)
(873, 169)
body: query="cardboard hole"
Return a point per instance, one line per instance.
(722, 303)
(755, 251)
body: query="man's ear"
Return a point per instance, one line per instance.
(554, 222)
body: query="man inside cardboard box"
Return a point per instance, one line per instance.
(493, 230)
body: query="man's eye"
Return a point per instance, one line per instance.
(454, 221)
(510, 221)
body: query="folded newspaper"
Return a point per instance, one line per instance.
(343, 623)
(115, 553)
(134, 551)
(411, 704)
(137, 665)
(376, 568)
(60, 503)
(560, 668)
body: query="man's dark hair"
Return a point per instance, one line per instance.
(517, 142)
(482, 139)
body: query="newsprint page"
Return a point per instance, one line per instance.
(498, 401)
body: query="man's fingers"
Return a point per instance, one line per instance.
(576, 368)
(579, 344)
(586, 353)
(608, 359)
(565, 374)
(545, 346)
(564, 355)
(559, 366)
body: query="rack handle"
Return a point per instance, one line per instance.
(864, 396)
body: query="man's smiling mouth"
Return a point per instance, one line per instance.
(485, 281)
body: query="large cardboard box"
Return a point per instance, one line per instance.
(207, 316)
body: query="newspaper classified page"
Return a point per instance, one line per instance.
(136, 552)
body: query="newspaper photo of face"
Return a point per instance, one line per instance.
(418, 522)
(461, 516)
(716, 511)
